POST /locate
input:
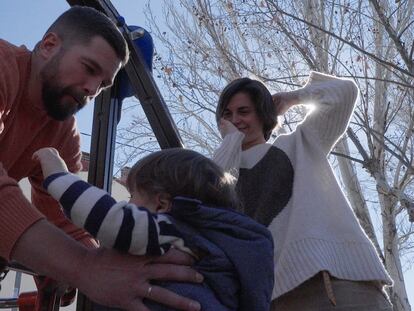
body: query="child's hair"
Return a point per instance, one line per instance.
(183, 172)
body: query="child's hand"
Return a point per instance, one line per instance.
(50, 161)
(226, 127)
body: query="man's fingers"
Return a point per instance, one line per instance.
(3, 172)
(171, 299)
(173, 273)
(174, 256)
(137, 305)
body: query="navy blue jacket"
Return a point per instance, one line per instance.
(238, 258)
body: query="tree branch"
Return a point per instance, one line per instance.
(393, 35)
(348, 157)
(351, 44)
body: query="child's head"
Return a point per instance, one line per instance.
(159, 177)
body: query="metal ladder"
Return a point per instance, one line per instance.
(50, 295)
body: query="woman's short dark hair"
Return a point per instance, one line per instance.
(80, 24)
(260, 96)
(183, 172)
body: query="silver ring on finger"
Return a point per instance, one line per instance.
(149, 290)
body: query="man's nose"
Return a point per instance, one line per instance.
(92, 87)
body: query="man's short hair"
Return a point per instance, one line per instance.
(80, 24)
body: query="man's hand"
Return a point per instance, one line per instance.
(226, 127)
(50, 161)
(3, 172)
(104, 275)
(120, 280)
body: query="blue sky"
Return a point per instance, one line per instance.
(24, 22)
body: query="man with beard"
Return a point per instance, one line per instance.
(40, 91)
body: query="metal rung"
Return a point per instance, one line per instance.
(23, 270)
(7, 303)
(20, 268)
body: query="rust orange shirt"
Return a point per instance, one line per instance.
(24, 128)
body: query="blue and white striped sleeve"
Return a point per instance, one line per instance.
(118, 225)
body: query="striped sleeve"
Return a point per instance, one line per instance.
(117, 225)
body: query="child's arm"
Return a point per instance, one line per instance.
(118, 225)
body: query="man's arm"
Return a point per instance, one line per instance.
(16, 213)
(104, 275)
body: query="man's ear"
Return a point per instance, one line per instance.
(163, 202)
(50, 45)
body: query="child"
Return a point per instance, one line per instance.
(180, 199)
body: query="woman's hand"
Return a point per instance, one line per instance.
(226, 127)
(283, 101)
(50, 161)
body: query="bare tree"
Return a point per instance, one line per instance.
(206, 44)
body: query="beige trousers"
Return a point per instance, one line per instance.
(349, 296)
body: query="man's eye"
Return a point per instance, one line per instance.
(89, 69)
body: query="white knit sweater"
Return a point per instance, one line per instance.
(317, 230)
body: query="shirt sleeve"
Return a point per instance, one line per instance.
(333, 100)
(228, 154)
(118, 225)
(16, 214)
(9, 81)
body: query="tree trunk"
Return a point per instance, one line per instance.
(398, 293)
(355, 194)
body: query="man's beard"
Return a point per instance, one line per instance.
(56, 107)
(53, 93)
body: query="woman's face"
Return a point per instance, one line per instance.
(241, 112)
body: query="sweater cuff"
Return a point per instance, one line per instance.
(228, 154)
(315, 76)
(310, 94)
(234, 138)
(16, 216)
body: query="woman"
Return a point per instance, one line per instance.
(323, 259)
